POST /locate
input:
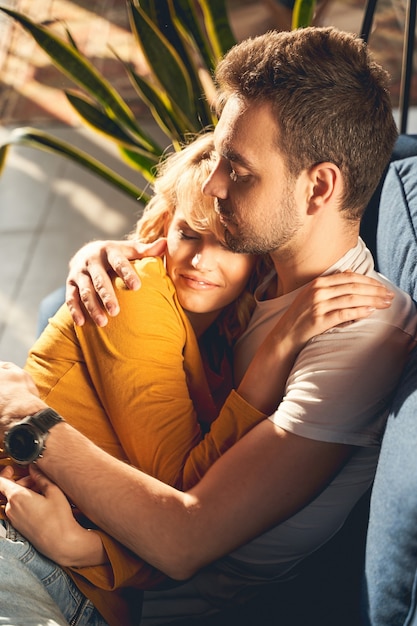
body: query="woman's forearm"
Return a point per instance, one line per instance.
(264, 382)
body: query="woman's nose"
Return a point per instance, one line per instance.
(205, 259)
(195, 261)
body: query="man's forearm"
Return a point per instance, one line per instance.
(115, 496)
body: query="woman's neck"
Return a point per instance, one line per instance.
(201, 321)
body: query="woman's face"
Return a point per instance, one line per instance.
(206, 274)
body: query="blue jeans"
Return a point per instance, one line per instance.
(75, 608)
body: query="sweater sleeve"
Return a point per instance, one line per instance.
(136, 364)
(143, 366)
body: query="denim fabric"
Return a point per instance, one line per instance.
(23, 599)
(75, 607)
(391, 551)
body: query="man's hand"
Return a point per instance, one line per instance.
(18, 395)
(89, 284)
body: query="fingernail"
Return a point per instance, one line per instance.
(112, 310)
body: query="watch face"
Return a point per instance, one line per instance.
(24, 444)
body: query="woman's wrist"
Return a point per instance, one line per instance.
(83, 548)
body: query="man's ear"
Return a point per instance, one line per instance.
(325, 185)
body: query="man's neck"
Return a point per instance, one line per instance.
(309, 263)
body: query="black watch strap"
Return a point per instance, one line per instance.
(45, 419)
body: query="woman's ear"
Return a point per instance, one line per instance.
(325, 185)
(167, 221)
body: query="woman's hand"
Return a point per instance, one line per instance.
(89, 284)
(40, 511)
(330, 301)
(324, 303)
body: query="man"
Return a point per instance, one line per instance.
(305, 132)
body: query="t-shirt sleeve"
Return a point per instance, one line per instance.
(342, 382)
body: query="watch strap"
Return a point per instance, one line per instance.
(45, 419)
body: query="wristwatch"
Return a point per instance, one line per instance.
(25, 441)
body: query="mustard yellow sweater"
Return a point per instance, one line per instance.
(137, 388)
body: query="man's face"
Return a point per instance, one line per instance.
(255, 196)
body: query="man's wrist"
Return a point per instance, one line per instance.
(25, 441)
(17, 416)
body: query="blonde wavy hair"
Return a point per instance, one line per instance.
(178, 182)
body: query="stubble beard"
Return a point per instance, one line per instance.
(270, 238)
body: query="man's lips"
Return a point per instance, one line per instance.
(225, 216)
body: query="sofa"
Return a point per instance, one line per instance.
(390, 573)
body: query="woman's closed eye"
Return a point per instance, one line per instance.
(188, 235)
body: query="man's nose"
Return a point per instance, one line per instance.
(216, 185)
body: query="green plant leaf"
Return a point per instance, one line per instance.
(165, 63)
(303, 13)
(217, 25)
(4, 149)
(94, 117)
(71, 39)
(181, 41)
(185, 18)
(39, 139)
(159, 105)
(195, 52)
(82, 72)
(176, 20)
(140, 161)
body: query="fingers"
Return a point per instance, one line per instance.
(333, 300)
(8, 486)
(157, 248)
(89, 288)
(119, 259)
(348, 289)
(7, 472)
(337, 305)
(40, 480)
(89, 293)
(8, 365)
(123, 268)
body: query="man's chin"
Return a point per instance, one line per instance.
(233, 242)
(241, 245)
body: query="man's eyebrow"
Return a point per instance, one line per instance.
(236, 157)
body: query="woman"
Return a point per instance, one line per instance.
(158, 376)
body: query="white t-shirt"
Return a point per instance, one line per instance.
(339, 390)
